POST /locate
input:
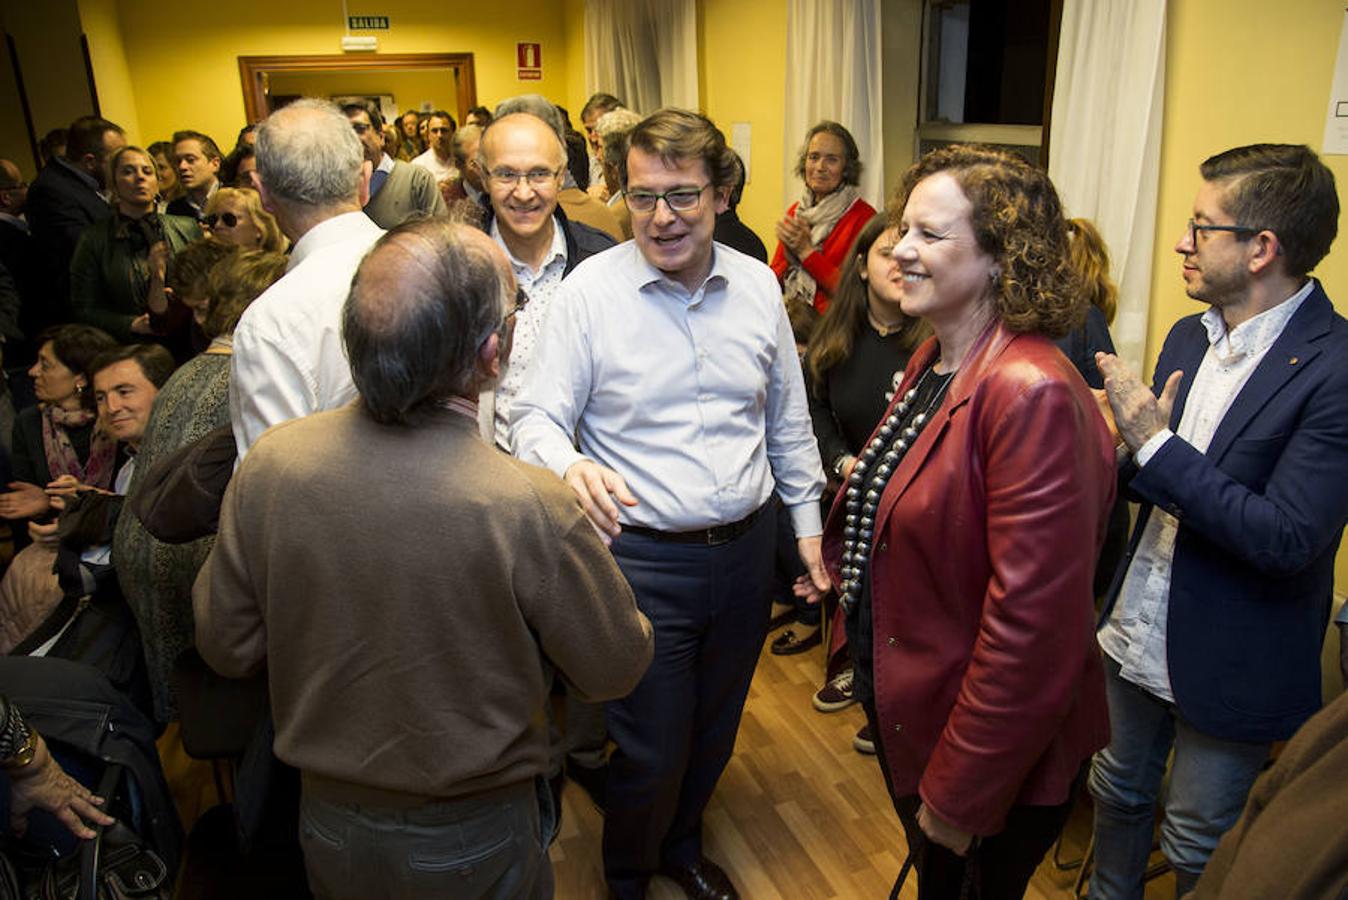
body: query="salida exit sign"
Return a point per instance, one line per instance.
(529, 62)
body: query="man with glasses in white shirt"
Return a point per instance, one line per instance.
(1239, 455)
(667, 392)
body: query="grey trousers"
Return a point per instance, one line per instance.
(488, 846)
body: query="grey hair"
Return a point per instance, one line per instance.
(539, 107)
(613, 128)
(460, 141)
(308, 154)
(413, 327)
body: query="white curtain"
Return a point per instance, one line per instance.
(644, 52)
(1105, 141)
(833, 69)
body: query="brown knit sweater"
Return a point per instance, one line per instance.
(1291, 842)
(407, 588)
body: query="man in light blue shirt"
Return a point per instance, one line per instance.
(667, 392)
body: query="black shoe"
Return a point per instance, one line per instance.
(703, 880)
(782, 618)
(592, 780)
(789, 644)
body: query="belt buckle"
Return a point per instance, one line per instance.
(717, 535)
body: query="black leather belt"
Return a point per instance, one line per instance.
(709, 537)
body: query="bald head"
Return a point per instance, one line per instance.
(521, 129)
(13, 189)
(308, 156)
(425, 303)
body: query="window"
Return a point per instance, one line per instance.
(987, 72)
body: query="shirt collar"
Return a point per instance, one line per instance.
(18, 222)
(649, 274)
(1256, 334)
(385, 164)
(555, 252)
(328, 231)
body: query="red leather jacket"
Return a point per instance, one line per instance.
(988, 684)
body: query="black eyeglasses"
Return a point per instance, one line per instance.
(229, 220)
(521, 301)
(679, 199)
(1194, 228)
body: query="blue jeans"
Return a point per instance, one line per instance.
(489, 845)
(1209, 781)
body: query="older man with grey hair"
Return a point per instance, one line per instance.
(288, 359)
(399, 712)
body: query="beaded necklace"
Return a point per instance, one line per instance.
(865, 485)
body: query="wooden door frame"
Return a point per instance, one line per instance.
(253, 68)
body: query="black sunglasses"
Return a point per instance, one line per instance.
(229, 220)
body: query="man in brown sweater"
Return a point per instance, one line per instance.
(409, 588)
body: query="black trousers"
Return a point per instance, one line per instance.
(997, 867)
(709, 608)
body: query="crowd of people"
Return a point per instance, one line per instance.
(533, 445)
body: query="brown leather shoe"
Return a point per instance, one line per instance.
(703, 880)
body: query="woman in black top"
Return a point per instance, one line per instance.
(856, 356)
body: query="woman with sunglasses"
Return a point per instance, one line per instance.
(235, 216)
(120, 264)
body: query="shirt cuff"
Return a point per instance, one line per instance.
(1148, 450)
(806, 520)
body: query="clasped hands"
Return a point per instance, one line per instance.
(795, 236)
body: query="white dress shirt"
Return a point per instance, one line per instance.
(431, 163)
(288, 357)
(1135, 635)
(696, 399)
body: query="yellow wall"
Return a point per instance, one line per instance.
(743, 79)
(193, 82)
(1230, 82)
(112, 75)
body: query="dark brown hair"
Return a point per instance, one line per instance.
(676, 135)
(1018, 221)
(1285, 189)
(837, 332)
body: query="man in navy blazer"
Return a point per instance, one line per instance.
(65, 199)
(1239, 456)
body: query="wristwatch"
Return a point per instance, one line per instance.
(27, 750)
(840, 465)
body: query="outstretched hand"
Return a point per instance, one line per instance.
(597, 487)
(43, 784)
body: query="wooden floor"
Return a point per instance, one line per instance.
(798, 815)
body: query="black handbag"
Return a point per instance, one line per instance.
(116, 864)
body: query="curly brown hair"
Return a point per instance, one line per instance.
(1018, 221)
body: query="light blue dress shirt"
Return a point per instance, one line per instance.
(696, 399)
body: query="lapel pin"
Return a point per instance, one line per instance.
(1292, 361)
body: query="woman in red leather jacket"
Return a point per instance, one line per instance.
(965, 541)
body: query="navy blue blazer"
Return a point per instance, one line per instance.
(1260, 518)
